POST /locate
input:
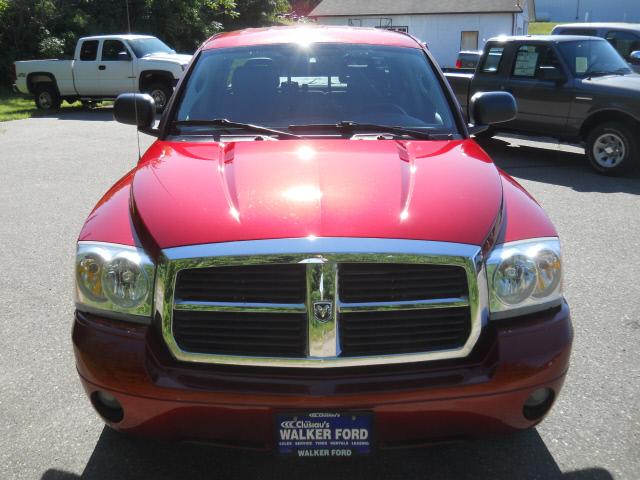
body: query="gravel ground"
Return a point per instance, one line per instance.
(53, 170)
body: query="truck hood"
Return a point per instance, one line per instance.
(629, 83)
(177, 58)
(195, 193)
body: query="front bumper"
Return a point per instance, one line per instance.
(476, 396)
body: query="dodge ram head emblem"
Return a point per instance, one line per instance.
(322, 311)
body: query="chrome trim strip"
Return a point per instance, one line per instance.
(317, 246)
(405, 305)
(240, 307)
(321, 256)
(526, 310)
(322, 286)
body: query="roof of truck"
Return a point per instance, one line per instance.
(617, 25)
(307, 34)
(543, 38)
(124, 36)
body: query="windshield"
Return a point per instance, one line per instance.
(592, 57)
(145, 46)
(282, 85)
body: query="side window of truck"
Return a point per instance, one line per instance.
(623, 42)
(532, 59)
(491, 62)
(587, 32)
(89, 50)
(112, 50)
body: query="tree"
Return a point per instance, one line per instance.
(50, 28)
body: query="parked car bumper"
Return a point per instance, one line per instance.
(479, 396)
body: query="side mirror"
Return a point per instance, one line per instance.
(124, 57)
(135, 109)
(488, 108)
(634, 57)
(552, 74)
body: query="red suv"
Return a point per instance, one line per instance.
(314, 257)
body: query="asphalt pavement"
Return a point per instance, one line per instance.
(54, 169)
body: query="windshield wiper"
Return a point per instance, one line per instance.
(352, 127)
(223, 122)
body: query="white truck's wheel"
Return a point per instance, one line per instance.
(161, 94)
(47, 97)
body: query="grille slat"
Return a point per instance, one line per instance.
(380, 282)
(404, 331)
(284, 283)
(236, 333)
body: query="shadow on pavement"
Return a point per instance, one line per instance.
(100, 114)
(523, 456)
(559, 164)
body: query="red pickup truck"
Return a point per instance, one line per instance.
(315, 258)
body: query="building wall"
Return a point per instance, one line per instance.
(588, 10)
(442, 32)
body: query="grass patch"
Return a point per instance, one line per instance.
(14, 106)
(541, 28)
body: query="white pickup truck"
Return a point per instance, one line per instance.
(103, 67)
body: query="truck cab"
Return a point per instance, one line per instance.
(572, 88)
(102, 68)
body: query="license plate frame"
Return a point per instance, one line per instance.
(315, 424)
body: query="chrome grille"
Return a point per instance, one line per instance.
(325, 302)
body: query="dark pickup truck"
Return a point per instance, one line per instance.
(572, 88)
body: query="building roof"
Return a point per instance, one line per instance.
(331, 8)
(307, 34)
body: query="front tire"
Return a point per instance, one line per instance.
(161, 93)
(612, 148)
(46, 97)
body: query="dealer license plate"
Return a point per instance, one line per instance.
(324, 434)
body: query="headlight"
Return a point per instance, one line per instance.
(524, 277)
(116, 280)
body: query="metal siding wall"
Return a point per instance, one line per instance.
(441, 32)
(597, 10)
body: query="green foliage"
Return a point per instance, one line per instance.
(17, 107)
(51, 47)
(32, 29)
(541, 28)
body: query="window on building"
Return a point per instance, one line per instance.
(355, 22)
(491, 62)
(89, 50)
(469, 40)
(623, 42)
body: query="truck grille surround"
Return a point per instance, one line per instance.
(323, 302)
